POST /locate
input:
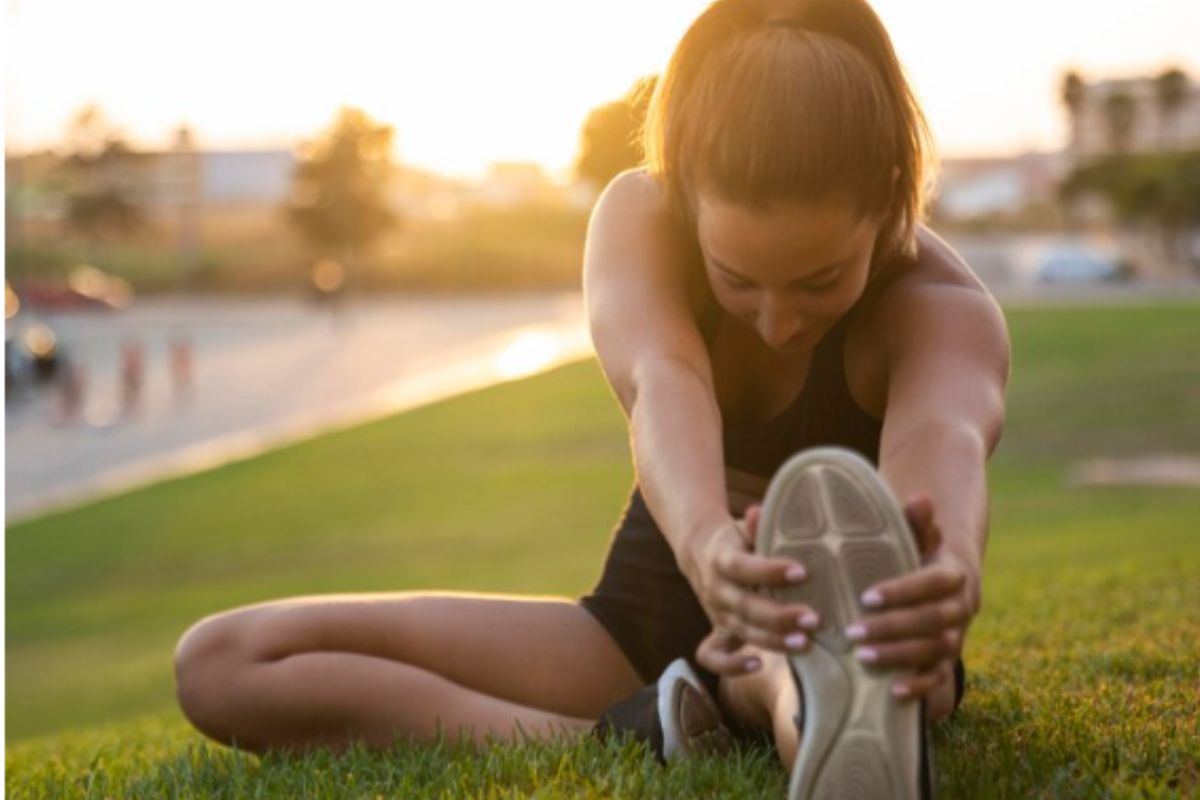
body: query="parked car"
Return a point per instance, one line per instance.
(85, 287)
(1080, 265)
(32, 352)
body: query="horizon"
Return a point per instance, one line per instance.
(238, 84)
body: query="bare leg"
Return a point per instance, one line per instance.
(325, 671)
(768, 700)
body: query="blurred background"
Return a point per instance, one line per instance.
(216, 214)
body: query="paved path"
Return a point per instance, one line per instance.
(266, 372)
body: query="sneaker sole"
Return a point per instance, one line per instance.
(828, 509)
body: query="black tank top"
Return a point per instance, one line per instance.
(824, 413)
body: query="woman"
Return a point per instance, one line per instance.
(761, 287)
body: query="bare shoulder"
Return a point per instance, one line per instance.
(640, 284)
(632, 220)
(634, 186)
(936, 302)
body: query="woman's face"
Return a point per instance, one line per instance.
(788, 273)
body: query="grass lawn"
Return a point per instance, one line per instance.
(1083, 667)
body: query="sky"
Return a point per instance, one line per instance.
(470, 82)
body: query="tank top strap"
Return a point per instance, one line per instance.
(709, 320)
(829, 358)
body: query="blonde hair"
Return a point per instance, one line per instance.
(767, 102)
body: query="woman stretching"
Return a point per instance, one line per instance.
(762, 287)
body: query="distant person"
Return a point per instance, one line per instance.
(133, 375)
(181, 364)
(763, 287)
(72, 386)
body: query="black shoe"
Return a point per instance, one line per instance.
(676, 716)
(829, 509)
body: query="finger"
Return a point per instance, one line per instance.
(749, 569)
(906, 654)
(922, 684)
(786, 641)
(919, 513)
(753, 514)
(758, 611)
(725, 654)
(909, 623)
(924, 585)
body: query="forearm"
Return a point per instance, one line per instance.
(949, 464)
(675, 431)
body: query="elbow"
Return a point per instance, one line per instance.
(937, 439)
(669, 370)
(991, 424)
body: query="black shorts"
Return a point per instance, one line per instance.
(648, 607)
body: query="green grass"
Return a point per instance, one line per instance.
(1083, 676)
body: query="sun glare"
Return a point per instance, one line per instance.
(467, 84)
(528, 353)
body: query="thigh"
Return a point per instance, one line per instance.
(545, 653)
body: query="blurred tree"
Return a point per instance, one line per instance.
(187, 175)
(1161, 190)
(100, 200)
(338, 201)
(1072, 91)
(610, 141)
(1120, 113)
(1171, 91)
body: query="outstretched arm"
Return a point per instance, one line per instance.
(948, 366)
(642, 311)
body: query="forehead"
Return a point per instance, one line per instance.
(746, 238)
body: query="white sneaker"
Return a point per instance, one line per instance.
(675, 716)
(829, 509)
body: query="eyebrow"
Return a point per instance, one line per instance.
(814, 277)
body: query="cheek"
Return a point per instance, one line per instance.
(846, 295)
(735, 303)
(739, 305)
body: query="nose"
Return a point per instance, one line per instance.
(778, 323)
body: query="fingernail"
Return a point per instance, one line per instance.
(901, 690)
(872, 598)
(867, 655)
(752, 665)
(810, 620)
(795, 573)
(795, 641)
(856, 632)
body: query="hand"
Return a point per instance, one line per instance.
(920, 619)
(726, 576)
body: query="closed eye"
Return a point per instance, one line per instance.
(823, 286)
(735, 283)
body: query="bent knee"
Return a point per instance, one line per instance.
(207, 660)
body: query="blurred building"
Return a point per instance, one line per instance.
(512, 183)
(254, 177)
(1132, 115)
(160, 180)
(215, 178)
(983, 187)
(418, 194)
